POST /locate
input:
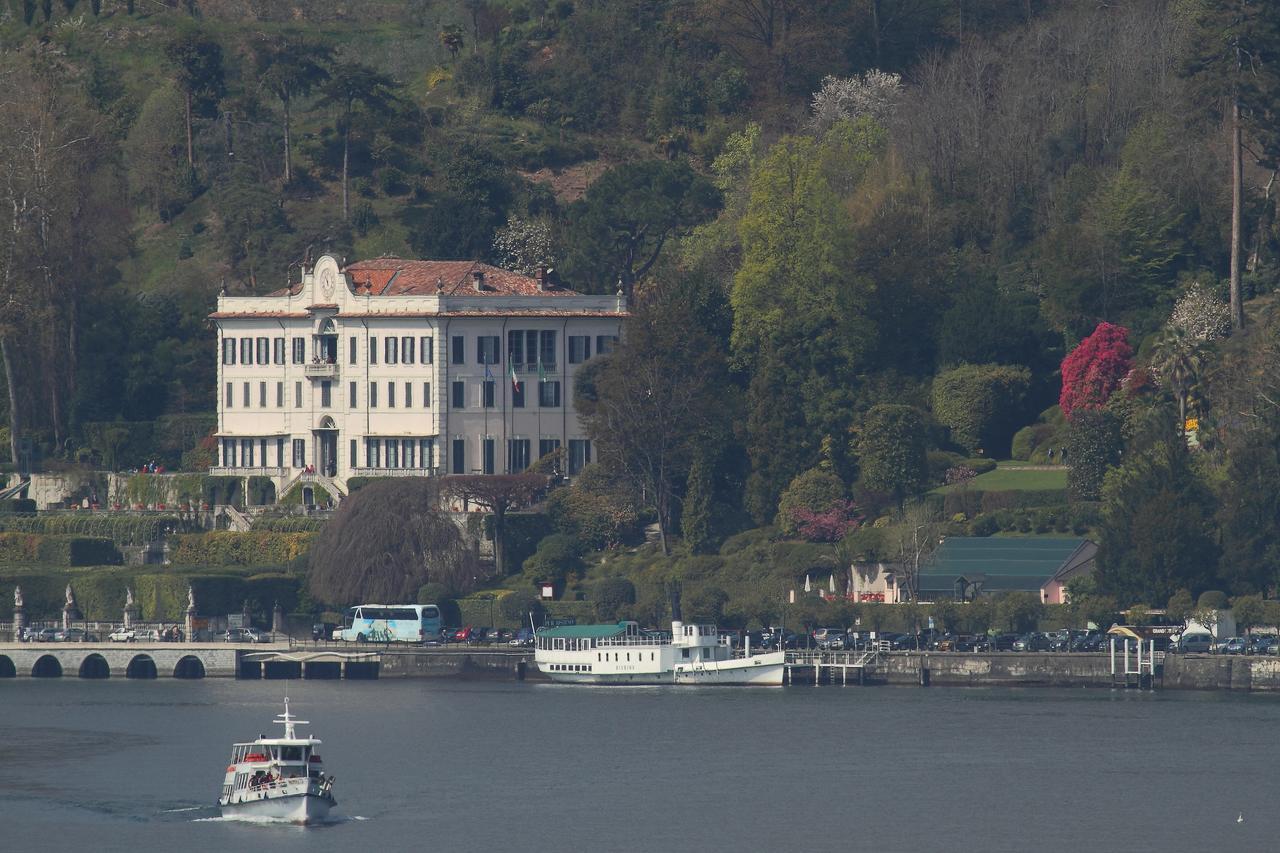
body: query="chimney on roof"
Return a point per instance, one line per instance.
(477, 280)
(439, 284)
(541, 276)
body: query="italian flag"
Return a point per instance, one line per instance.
(515, 383)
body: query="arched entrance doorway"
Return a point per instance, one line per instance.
(189, 667)
(326, 443)
(95, 666)
(142, 666)
(47, 666)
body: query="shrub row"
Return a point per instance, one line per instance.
(973, 502)
(225, 548)
(1078, 519)
(57, 550)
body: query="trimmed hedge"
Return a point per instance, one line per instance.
(290, 524)
(974, 502)
(17, 505)
(354, 484)
(57, 550)
(226, 548)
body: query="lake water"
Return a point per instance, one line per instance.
(501, 766)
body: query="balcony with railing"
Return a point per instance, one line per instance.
(322, 370)
(394, 472)
(246, 471)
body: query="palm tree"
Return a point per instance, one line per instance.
(1178, 359)
(350, 83)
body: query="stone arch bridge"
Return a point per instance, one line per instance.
(118, 660)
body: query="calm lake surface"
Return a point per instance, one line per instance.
(498, 766)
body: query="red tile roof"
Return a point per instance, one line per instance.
(400, 277)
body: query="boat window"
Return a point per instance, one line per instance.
(291, 753)
(628, 656)
(684, 653)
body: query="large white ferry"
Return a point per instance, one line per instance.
(623, 654)
(278, 778)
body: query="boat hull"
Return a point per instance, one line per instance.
(296, 808)
(760, 671)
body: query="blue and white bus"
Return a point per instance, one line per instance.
(390, 623)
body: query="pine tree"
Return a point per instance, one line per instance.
(698, 521)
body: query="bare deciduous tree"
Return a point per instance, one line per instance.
(499, 494)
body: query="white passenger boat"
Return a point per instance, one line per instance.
(623, 654)
(278, 778)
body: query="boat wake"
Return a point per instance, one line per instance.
(333, 820)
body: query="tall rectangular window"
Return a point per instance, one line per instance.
(458, 456)
(393, 453)
(406, 349)
(299, 351)
(231, 397)
(579, 454)
(297, 395)
(517, 455)
(373, 350)
(246, 451)
(487, 393)
(352, 348)
(262, 447)
(246, 395)
(426, 395)
(517, 395)
(354, 458)
(579, 348)
(279, 395)
(515, 347)
(262, 395)
(229, 452)
(426, 453)
(487, 349)
(373, 395)
(549, 394)
(393, 349)
(228, 350)
(605, 344)
(277, 351)
(488, 446)
(459, 395)
(373, 453)
(351, 395)
(326, 394)
(246, 350)
(279, 452)
(264, 350)
(407, 446)
(299, 453)
(547, 445)
(427, 355)
(459, 350)
(391, 395)
(547, 348)
(408, 395)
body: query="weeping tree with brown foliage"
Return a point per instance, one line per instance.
(385, 542)
(499, 494)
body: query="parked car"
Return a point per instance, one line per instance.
(122, 635)
(494, 636)
(1273, 646)
(1233, 646)
(41, 635)
(522, 638)
(465, 634)
(245, 635)
(146, 635)
(1086, 642)
(824, 637)
(74, 635)
(1259, 643)
(1032, 642)
(322, 630)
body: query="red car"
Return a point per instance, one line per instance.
(463, 635)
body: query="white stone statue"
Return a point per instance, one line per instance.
(191, 598)
(17, 597)
(128, 597)
(71, 598)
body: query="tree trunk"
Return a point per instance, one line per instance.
(346, 147)
(499, 557)
(875, 31)
(191, 157)
(288, 163)
(11, 382)
(1237, 192)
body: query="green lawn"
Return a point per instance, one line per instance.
(1005, 477)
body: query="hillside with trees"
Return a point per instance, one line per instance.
(870, 247)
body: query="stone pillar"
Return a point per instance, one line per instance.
(190, 625)
(277, 620)
(19, 614)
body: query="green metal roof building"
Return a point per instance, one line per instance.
(964, 567)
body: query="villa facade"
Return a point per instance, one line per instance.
(393, 367)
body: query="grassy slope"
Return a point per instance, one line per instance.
(1007, 477)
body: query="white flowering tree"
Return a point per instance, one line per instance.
(873, 94)
(1201, 315)
(524, 245)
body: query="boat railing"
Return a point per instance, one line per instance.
(288, 785)
(633, 640)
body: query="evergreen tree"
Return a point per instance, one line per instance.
(197, 64)
(697, 520)
(890, 446)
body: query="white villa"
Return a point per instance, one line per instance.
(393, 367)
